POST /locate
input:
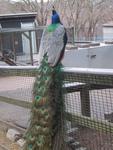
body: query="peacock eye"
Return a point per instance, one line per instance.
(45, 68)
(43, 89)
(37, 98)
(46, 78)
(46, 59)
(30, 146)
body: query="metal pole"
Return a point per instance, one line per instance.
(31, 48)
(1, 46)
(13, 42)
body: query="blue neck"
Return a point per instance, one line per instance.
(55, 19)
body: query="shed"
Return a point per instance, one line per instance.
(108, 31)
(16, 41)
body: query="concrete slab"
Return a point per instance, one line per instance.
(14, 114)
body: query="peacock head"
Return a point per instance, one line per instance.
(55, 17)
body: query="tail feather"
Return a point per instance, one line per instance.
(46, 125)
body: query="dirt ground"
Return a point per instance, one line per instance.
(94, 140)
(7, 143)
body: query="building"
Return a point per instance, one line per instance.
(108, 31)
(18, 42)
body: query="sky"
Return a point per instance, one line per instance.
(20, 0)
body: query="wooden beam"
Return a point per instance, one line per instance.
(20, 103)
(85, 101)
(10, 30)
(91, 123)
(27, 36)
(88, 78)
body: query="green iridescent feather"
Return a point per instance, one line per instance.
(52, 27)
(47, 115)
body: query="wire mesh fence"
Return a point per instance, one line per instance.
(20, 46)
(16, 95)
(88, 103)
(89, 107)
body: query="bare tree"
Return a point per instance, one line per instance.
(85, 16)
(108, 13)
(42, 9)
(94, 14)
(71, 12)
(5, 7)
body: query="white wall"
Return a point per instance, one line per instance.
(107, 33)
(26, 44)
(95, 57)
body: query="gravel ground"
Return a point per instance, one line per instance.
(94, 140)
(14, 114)
(4, 142)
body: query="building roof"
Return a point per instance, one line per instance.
(18, 15)
(109, 24)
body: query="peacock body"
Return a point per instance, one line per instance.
(47, 114)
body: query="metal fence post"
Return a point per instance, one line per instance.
(31, 48)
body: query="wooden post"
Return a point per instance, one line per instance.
(31, 48)
(85, 101)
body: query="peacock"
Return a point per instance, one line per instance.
(46, 129)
